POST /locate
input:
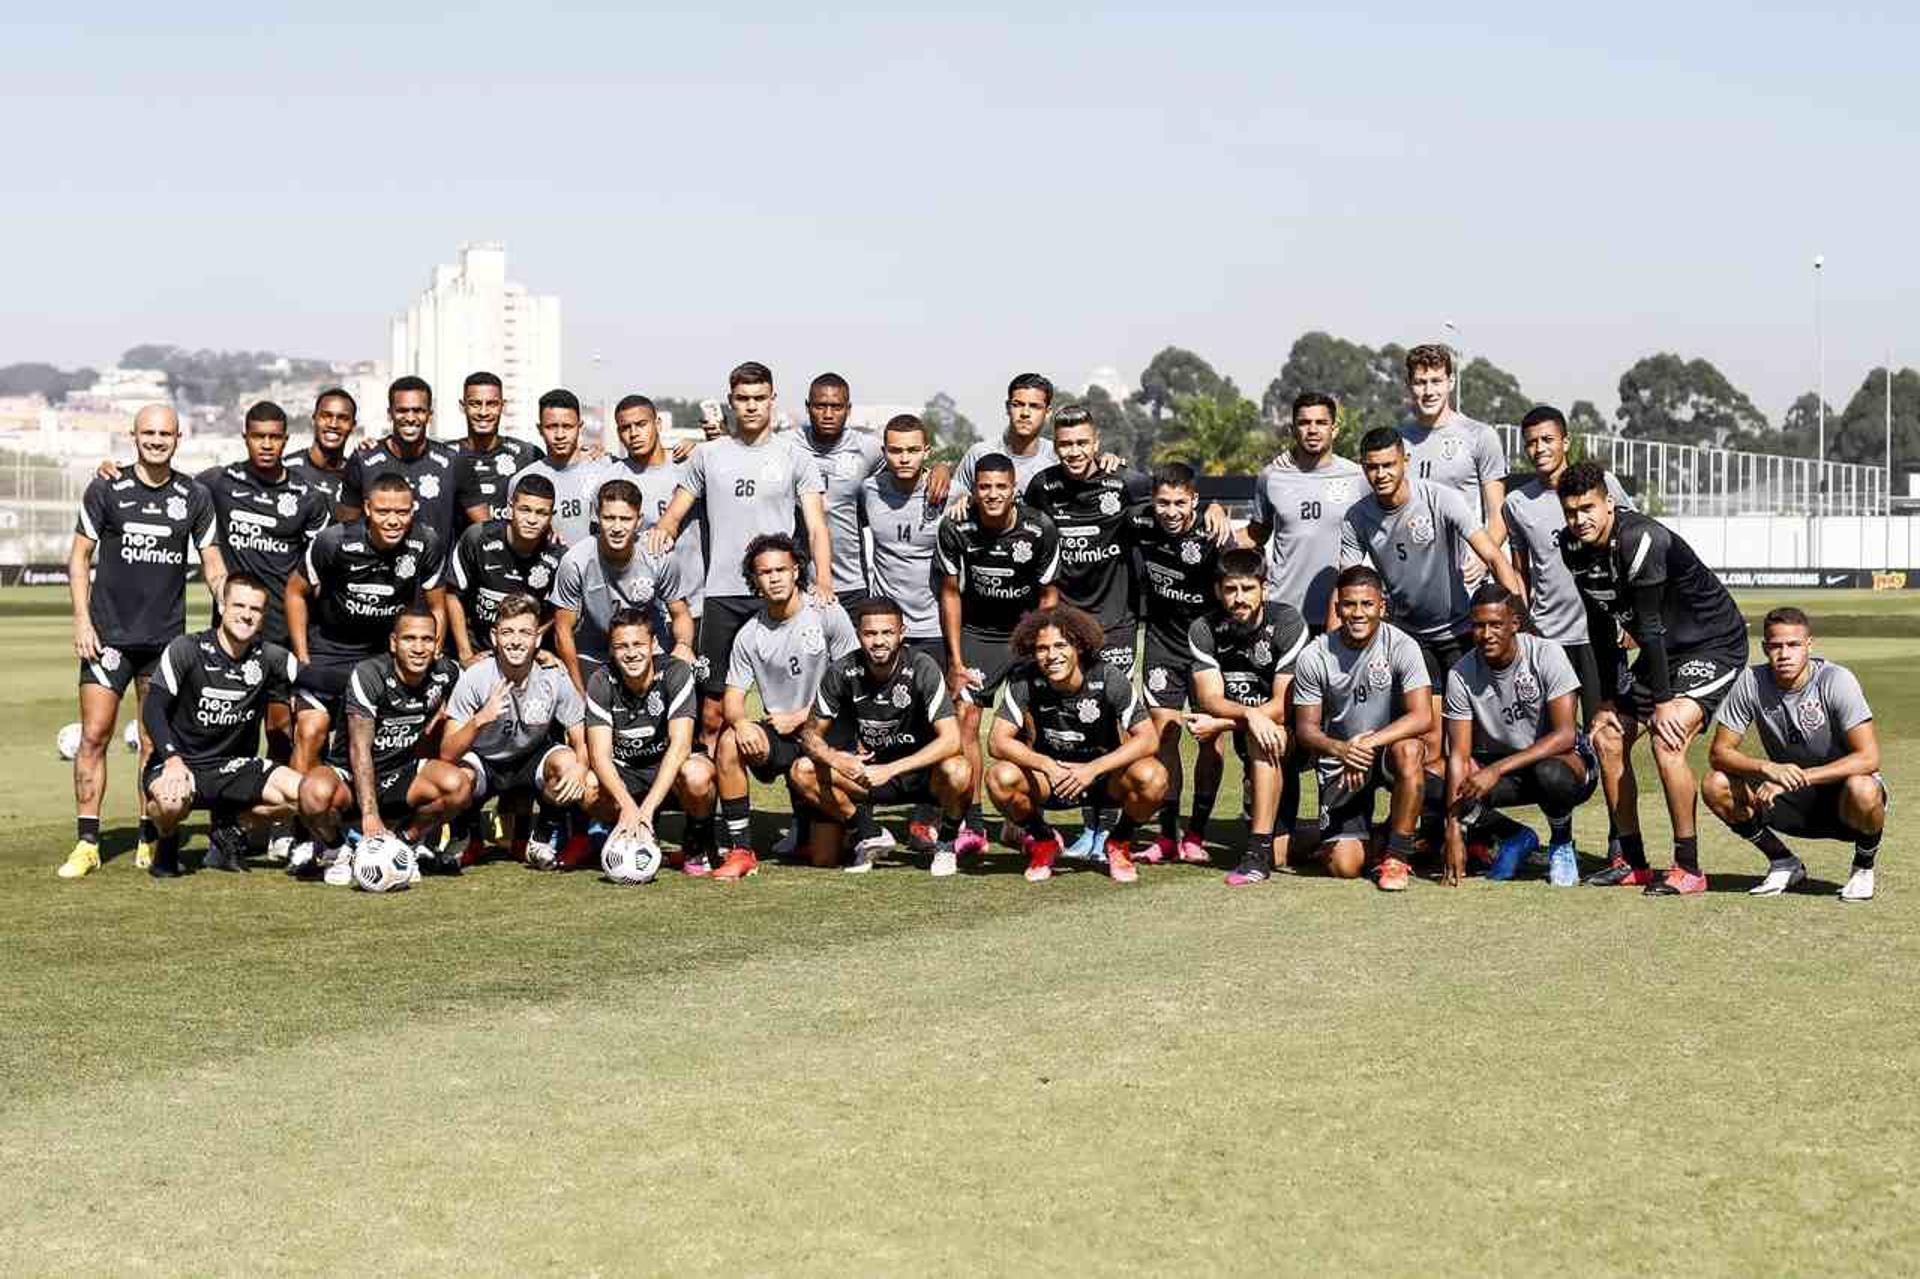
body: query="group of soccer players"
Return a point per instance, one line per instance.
(572, 634)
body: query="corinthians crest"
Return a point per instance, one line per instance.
(506, 465)
(1379, 674)
(1420, 528)
(1262, 653)
(812, 638)
(655, 704)
(1526, 687)
(288, 504)
(1022, 552)
(902, 697)
(1191, 552)
(538, 577)
(1088, 710)
(404, 566)
(176, 508)
(1811, 714)
(1109, 504)
(251, 672)
(429, 487)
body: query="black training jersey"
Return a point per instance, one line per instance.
(358, 589)
(640, 721)
(1078, 725)
(890, 718)
(142, 532)
(1249, 657)
(1095, 573)
(265, 526)
(326, 480)
(1177, 573)
(401, 713)
(1000, 573)
(205, 705)
(431, 476)
(485, 569)
(1649, 581)
(482, 479)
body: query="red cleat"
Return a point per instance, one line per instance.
(1620, 873)
(1678, 883)
(1040, 855)
(1120, 862)
(1163, 849)
(739, 863)
(1393, 874)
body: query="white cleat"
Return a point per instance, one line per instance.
(339, 868)
(541, 855)
(301, 856)
(1779, 880)
(1859, 886)
(945, 862)
(280, 850)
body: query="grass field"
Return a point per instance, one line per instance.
(511, 1072)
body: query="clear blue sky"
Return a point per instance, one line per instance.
(937, 200)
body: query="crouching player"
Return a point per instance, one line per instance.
(1243, 658)
(1070, 727)
(1513, 739)
(884, 732)
(1820, 777)
(501, 724)
(1361, 707)
(641, 715)
(380, 764)
(203, 713)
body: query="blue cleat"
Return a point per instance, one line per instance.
(1090, 846)
(1563, 866)
(1510, 853)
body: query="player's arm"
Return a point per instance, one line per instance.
(1141, 741)
(177, 663)
(299, 592)
(1307, 731)
(1862, 757)
(464, 722)
(457, 629)
(840, 766)
(944, 746)
(680, 620)
(600, 760)
(666, 529)
(1488, 549)
(958, 679)
(564, 620)
(366, 782)
(86, 641)
(1459, 752)
(813, 510)
(1416, 721)
(1562, 718)
(1493, 500)
(1725, 755)
(679, 751)
(1517, 552)
(1005, 742)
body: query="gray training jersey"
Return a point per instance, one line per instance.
(844, 467)
(1805, 726)
(1536, 527)
(1509, 707)
(785, 660)
(1460, 454)
(573, 488)
(1416, 547)
(657, 484)
(906, 532)
(1024, 468)
(528, 716)
(596, 588)
(1358, 690)
(1302, 511)
(749, 489)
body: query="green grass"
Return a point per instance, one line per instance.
(511, 1072)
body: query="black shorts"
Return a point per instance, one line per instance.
(1523, 789)
(722, 619)
(1704, 677)
(849, 598)
(492, 779)
(639, 779)
(117, 668)
(782, 752)
(390, 788)
(1168, 682)
(1587, 666)
(1348, 814)
(1101, 792)
(989, 656)
(1440, 655)
(238, 781)
(1119, 647)
(323, 682)
(1814, 812)
(933, 646)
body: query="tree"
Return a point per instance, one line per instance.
(1860, 432)
(1175, 372)
(1585, 416)
(1488, 393)
(1369, 385)
(953, 431)
(1218, 436)
(1799, 433)
(1663, 397)
(44, 380)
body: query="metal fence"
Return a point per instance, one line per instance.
(39, 501)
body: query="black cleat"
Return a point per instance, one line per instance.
(166, 863)
(1254, 868)
(1620, 872)
(226, 849)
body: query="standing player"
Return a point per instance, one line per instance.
(322, 464)
(486, 462)
(1821, 775)
(1363, 707)
(513, 556)
(883, 732)
(574, 475)
(266, 515)
(998, 561)
(1638, 576)
(783, 650)
(203, 716)
(845, 458)
(655, 472)
(1299, 503)
(1243, 656)
(901, 514)
(611, 571)
(1452, 450)
(1513, 739)
(1070, 728)
(131, 605)
(409, 452)
(1023, 443)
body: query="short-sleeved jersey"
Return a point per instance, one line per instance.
(430, 475)
(749, 489)
(1537, 529)
(1000, 572)
(891, 718)
(1808, 725)
(574, 487)
(657, 484)
(641, 719)
(531, 716)
(485, 569)
(1249, 658)
(1025, 467)
(1359, 690)
(401, 712)
(1696, 612)
(1096, 574)
(211, 702)
(483, 478)
(324, 479)
(1508, 705)
(1461, 454)
(1177, 572)
(785, 659)
(1302, 512)
(265, 526)
(1072, 725)
(596, 588)
(905, 528)
(1416, 547)
(844, 466)
(143, 533)
(359, 588)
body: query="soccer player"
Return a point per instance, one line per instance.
(1029, 400)
(203, 716)
(641, 715)
(998, 561)
(322, 464)
(783, 650)
(1636, 575)
(883, 732)
(1820, 778)
(266, 515)
(1362, 708)
(128, 607)
(900, 513)
(1243, 655)
(1513, 738)
(1069, 726)
(1299, 502)
(486, 461)
(502, 723)
(409, 452)
(517, 555)
(574, 475)
(610, 571)
(381, 762)
(1452, 450)
(656, 473)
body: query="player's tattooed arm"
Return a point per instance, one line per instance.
(213, 571)
(366, 785)
(842, 765)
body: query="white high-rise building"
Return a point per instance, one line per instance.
(472, 317)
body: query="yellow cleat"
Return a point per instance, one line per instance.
(143, 855)
(83, 860)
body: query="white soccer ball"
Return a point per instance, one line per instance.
(383, 864)
(67, 741)
(132, 736)
(630, 861)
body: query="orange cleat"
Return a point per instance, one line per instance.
(1393, 874)
(739, 863)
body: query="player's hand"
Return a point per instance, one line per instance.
(107, 470)
(683, 450)
(752, 741)
(1766, 793)
(1219, 524)
(656, 540)
(1606, 721)
(958, 507)
(878, 775)
(372, 827)
(495, 703)
(86, 641)
(939, 483)
(572, 784)
(1205, 727)
(1111, 462)
(685, 653)
(823, 595)
(961, 680)
(1075, 780)
(1266, 735)
(787, 723)
(1788, 777)
(1357, 754)
(1453, 864)
(1475, 787)
(594, 452)
(474, 658)
(1670, 727)
(175, 783)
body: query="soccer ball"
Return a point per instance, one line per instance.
(383, 864)
(67, 741)
(132, 736)
(630, 861)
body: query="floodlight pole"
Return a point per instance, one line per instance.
(1460, 373)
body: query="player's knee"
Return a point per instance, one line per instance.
(953, 776)
(1346, 859)
(1147, 780)
(1560, 786)
(1004, 781)
(804, 777)
(1863, 796)
(1407, 755)
(1716, 789)
(696, 775)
